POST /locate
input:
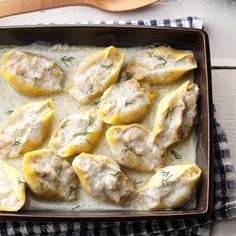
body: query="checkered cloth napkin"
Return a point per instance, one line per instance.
(224, 187)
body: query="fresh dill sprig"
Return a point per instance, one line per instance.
(176, 154)
(90, 121)
(71, 191)
(106, 66)
(75, 207)
(166, 175)
(40, 185)
(89, 142)
(135, 182)
(58, 169)
(9, 112)
(150, 54)
(63, 126)
(20, 182)
(116, 173)
(159, 58)
(129, 102)
(16, 143)
(90, 89)
(36, 83)
(67, 59)
(126, 150)
(128, 77)
(83, 133)
(168, 111)
(165, 182)
(97, 102)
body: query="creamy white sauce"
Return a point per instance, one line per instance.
(65, 105)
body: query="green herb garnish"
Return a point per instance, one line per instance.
(71, 191)
(116, 173)
(106, 66)
(36, 83)
(176, 154)
(168, 111)
(20, 182)
(126, 150)
(166, 175)
(67, 59)
(58, 169)
(90, 89)
(97, 102)
(90, 121)
(129, 102)
(9, 112)
(135, 182)
(40, 185)
(16, 143)
(75, 207)
(63, 126)
(83, 133)
(159, 58)
(128, 77)
(88, 141)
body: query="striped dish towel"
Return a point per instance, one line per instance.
(224, 186)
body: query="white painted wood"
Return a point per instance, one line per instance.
(219, 17)
(220, 23)
(224, 97)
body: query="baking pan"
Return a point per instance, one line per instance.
(133, 36)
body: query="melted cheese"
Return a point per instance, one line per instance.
(161, 65)
(25, 129)
(132, 147)
(12, 188)
(170, 187)
(77, 133)
(49, 176)
(30, 74)
(96, 73)
(125, 103)
(102, 178)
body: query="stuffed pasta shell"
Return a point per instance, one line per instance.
(12, 188)
(26, 128)
(77, 133)
(49, 176)
(160, 65)
(95, 74)
(176, 114)
(103, 179)
(132, 147)
(170, 187)
(31, 74)
(126, 102)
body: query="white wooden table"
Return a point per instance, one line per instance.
(220, 23)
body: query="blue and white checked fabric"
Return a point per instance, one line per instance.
(224, 185)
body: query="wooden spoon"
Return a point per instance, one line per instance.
(13, 7)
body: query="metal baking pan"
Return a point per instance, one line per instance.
(133, 36)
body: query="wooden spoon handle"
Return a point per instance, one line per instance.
(13, 7)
